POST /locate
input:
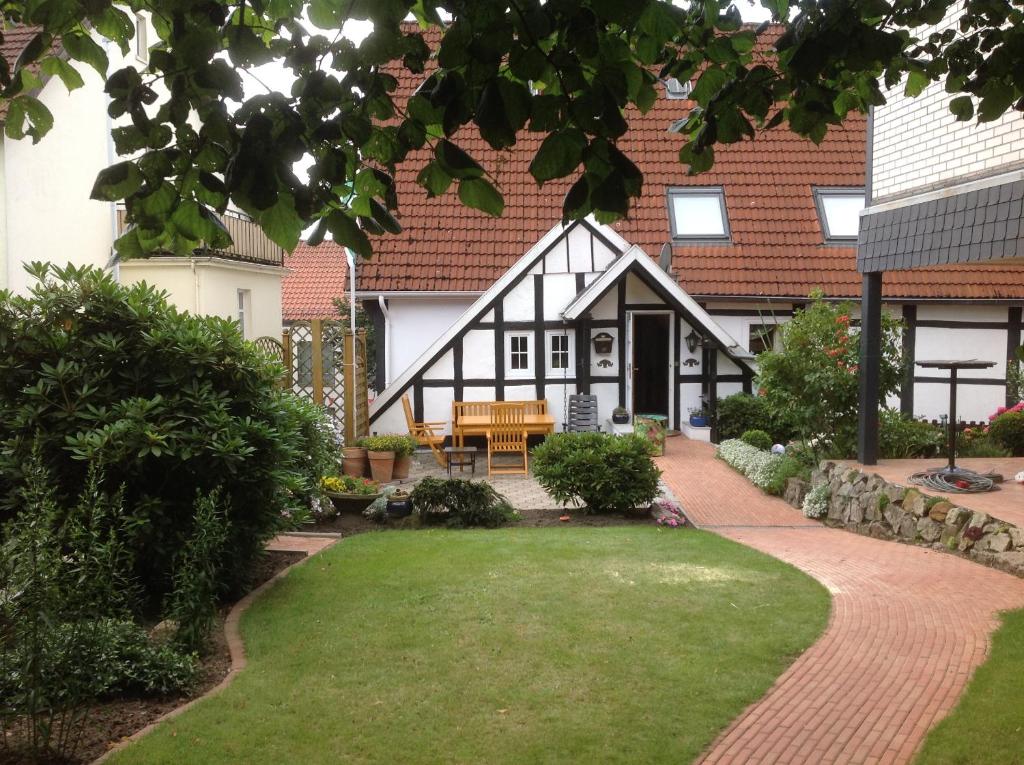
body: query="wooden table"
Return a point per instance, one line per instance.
(478, 425)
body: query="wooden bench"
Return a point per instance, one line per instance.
(472, 418)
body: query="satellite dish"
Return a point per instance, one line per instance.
(665, 259)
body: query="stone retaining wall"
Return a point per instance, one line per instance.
(868, 504)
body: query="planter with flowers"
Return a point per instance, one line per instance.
(403, 446)
(380, 450)
(349, 492)
(699, 417)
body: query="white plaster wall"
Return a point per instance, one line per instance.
(478, 394)
(478, 354)
(918, 144)
(3, 216)
(443, 368)
(689, 398)
(580, 250)
(607, 399)
(437, 407)
(520, 392)
(556, 261)
(638, 292)
(606, 307)
(982, 344)
(603, 256)
(974, 403)
(518, 305)
(969, 312)
(415, 324)
(392, 419)
(212, 289)
(559, 290)
(49, 215)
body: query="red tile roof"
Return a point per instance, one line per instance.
(777, 245)
(317, 276)
(16, 37)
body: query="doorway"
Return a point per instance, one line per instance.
(652, 335)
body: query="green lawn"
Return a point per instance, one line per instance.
(987, 726)
(617, 644)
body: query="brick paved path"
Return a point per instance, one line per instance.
(908, 627)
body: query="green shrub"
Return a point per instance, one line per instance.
(980, 446)
(901, 437)
(757, 438)
(765, 470)
(597, 471)
(787, 467)
(1007, 430)
(457, 502)
(169, 404)
(741, 412)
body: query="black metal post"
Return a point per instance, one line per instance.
(870, 363)
(952, 419)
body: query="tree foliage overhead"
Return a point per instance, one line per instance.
(570, 69)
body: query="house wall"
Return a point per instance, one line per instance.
(476, 364)
(418, 321)
(209, 286)
(918, 145)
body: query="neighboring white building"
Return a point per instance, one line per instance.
(46, 213)
(946, 208)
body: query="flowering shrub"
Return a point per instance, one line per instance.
(1007, 430)
(671, 514)
(816, 501)
(814, 377)
(765, 470)
(1018, 407)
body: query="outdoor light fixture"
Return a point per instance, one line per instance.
(692, 341)
(603, 343)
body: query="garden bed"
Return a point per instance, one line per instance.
(111, 721)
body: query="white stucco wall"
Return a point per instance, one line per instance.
(918, 144)
(415, 324)
(211, 288)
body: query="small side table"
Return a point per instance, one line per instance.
(953, 366)
(460, 457)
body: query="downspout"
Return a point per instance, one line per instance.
(387, 339)
(114, 264)
(195, 285)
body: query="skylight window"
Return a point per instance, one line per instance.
(676, 89)
(839, 212)
(698, 213)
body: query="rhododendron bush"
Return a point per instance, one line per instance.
(814, 377)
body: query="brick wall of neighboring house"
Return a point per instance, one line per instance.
(918, 145)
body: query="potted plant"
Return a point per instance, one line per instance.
(403, 446)
(698, 417)
(353, 460)
(381, 454)
(347, 491)
(620, 415)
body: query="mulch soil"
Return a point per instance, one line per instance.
(348, 523)
(111, 721)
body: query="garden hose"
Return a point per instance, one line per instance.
(957, 481)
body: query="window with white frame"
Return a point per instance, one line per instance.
(561, 352)
(141, 39)
(245, 312)
(839, 212)
(698, 213)
(761, 338)
(518, 354)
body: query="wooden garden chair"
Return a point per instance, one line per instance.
(507, 435)
(426, 433)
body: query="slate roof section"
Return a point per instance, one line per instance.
(316, 276)
(969, 227)
(777, 248)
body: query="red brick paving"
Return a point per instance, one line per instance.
(300, 543)
(908, 628)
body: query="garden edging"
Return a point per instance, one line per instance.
(236, 647)
(870, 505)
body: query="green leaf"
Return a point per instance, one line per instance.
(481, 195)
(128, 245)
(81, 47)
(117, 182)
(281, 223)
(996, 97)
(659, 21)
(58, 67)
(384, 217)
(962, 107)
(346, 233)
(710, 82)
(699, 161)
(917, 81)
(456, 162)
(558, 155)
(434, 179)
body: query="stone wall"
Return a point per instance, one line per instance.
(870, 505)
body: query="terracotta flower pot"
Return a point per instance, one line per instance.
(402, 465)
(353, 461)
(382, 464)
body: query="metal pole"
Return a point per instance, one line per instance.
(952, 419)
(870, 367)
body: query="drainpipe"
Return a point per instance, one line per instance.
(387, 339)
(352, 289)
(195, 286)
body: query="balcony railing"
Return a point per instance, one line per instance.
(249, 243)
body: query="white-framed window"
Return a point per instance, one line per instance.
(677, 89)
(518, 354)
(839, 212)
(761, 338)
(245, 312)
(141, 39)
(561, 352)
(698, 213)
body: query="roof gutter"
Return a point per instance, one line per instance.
(423, 294)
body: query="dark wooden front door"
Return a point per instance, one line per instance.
(650, 363)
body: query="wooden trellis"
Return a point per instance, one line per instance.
(326, 363)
